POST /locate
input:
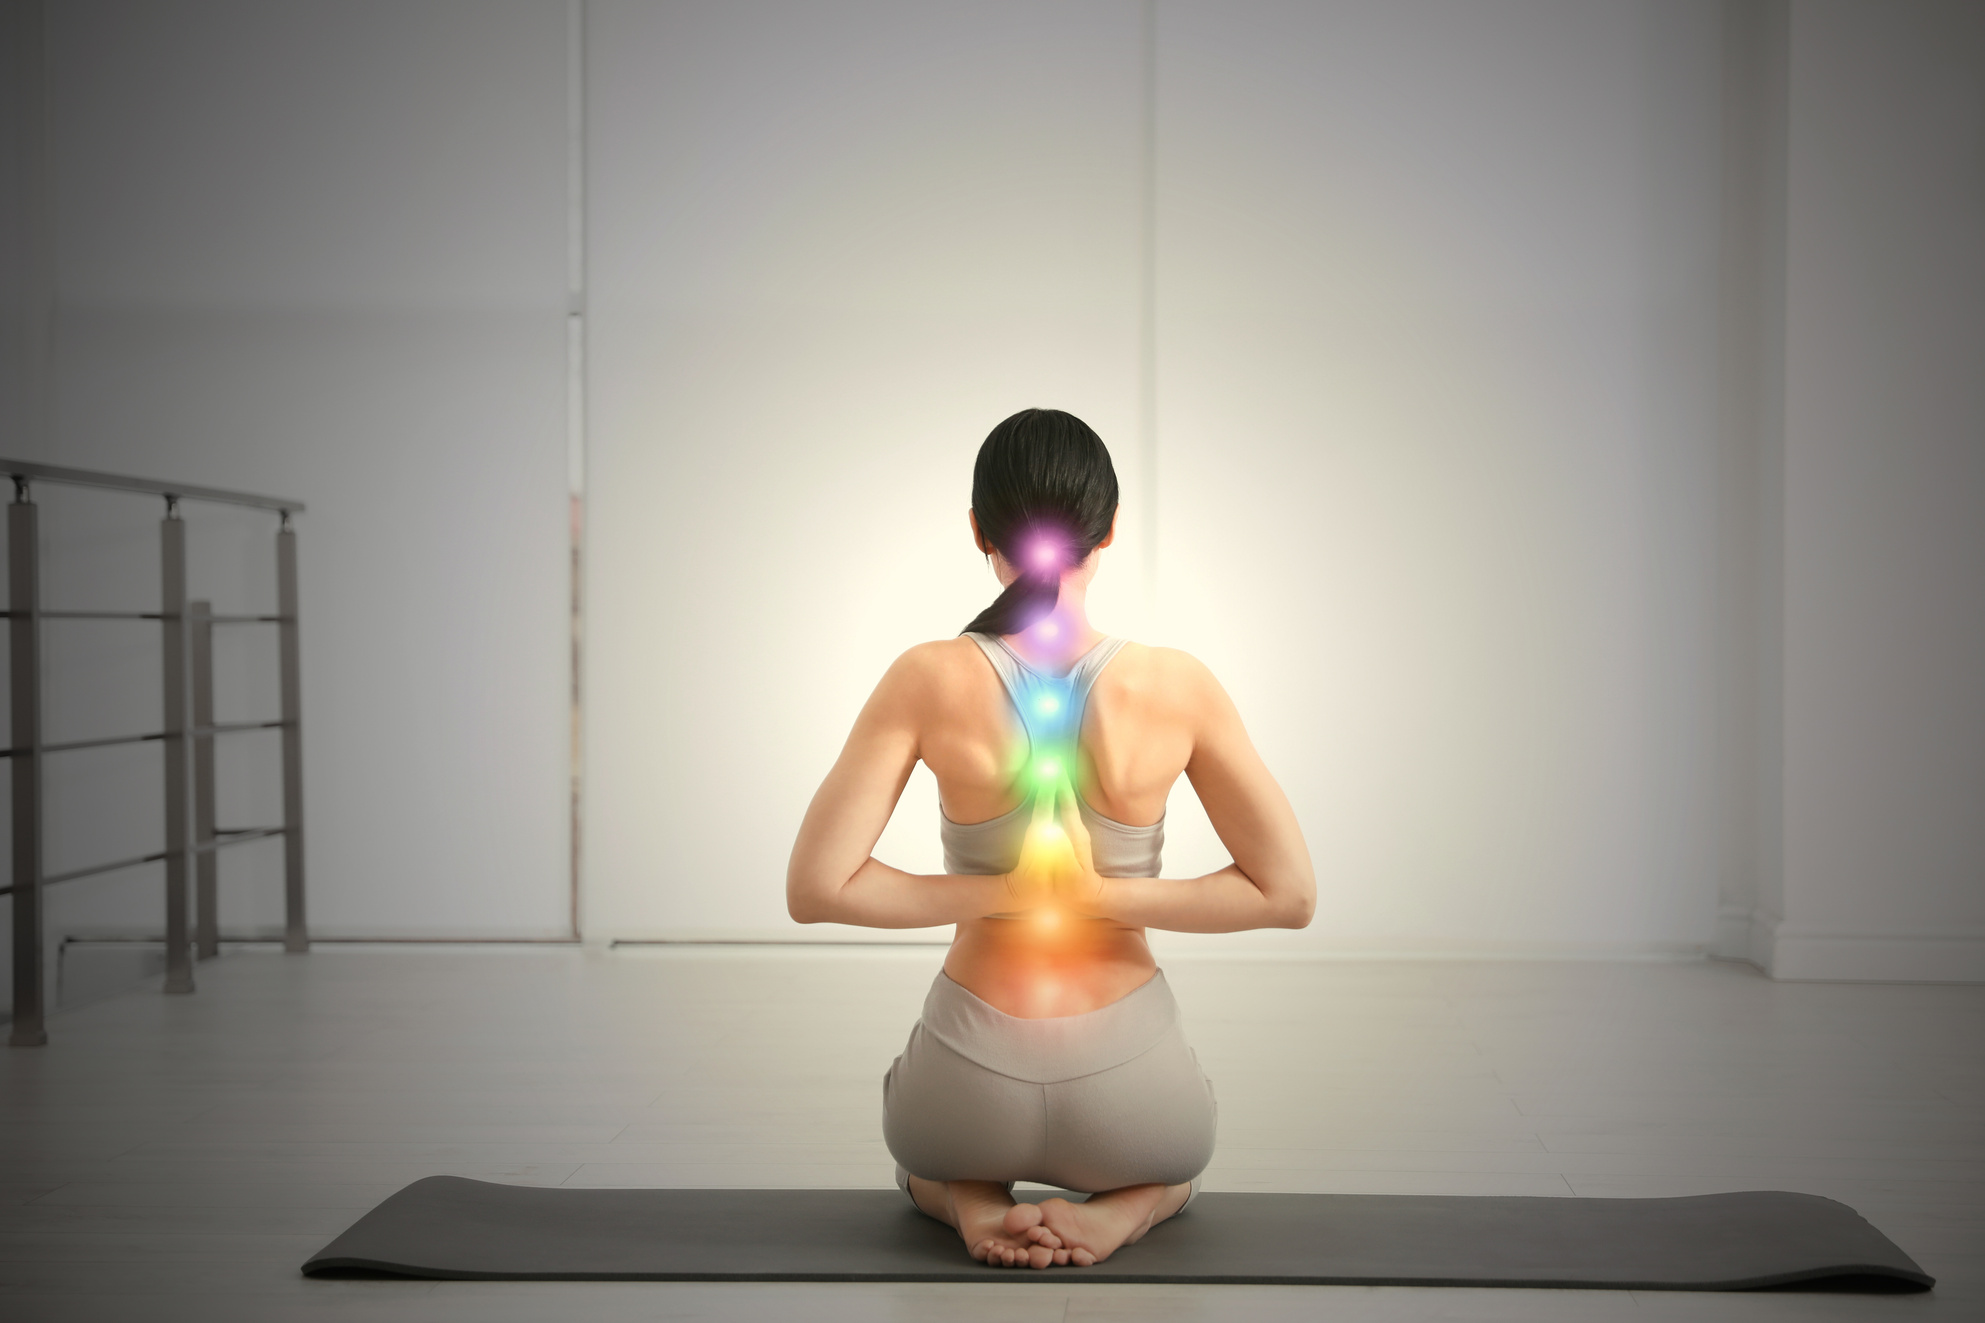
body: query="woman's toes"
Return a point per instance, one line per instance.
(1040, 1256)
(1020, 1217)
(1081, 1258)
(1043, 1236)
(1061, 1258)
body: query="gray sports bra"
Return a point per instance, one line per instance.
(1050, 709)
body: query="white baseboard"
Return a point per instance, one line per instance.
(1792, 956)
(1768, 943)
(792, 934)
(246, 933)
(1733, 934)
(1758, 935)
(1879, 959)
(1264, 944)
(1283, 944)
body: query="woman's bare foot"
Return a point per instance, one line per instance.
(978, 1210)
(1090, 1232)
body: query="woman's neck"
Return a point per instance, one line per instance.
(1055, 640)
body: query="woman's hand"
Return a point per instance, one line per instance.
(1057, 868)
(1078, 886)
(1031, 884)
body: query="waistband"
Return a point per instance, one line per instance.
(1048, 1051)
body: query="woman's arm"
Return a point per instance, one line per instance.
(1270, 884)
(833, 877)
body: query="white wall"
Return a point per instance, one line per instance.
(1567, 444)
(1436, 326)
(1884, 485)
(829, 247)
(1437, 381)
(319, 250)
(1749, 468)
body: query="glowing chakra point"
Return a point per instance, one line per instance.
(1047, 705)
(1049, 769)
(1048, 629)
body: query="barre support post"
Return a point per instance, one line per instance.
(24, 657)
(178, 842)
(296, 934)
(206, 867)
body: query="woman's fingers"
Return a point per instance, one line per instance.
(1069, 814)
(1036, 878)
(1047, 800)
(1081, 886)
(1056, 865)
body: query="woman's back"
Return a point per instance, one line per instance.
(1135, 732)
(1135, 739)
(1051, 707)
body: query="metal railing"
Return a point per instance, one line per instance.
(192, 839)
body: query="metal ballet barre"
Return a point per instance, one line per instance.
(192, 840)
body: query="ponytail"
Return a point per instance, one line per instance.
(1044, 494)
(1021, 603)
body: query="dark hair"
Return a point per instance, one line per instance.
(1045, 494)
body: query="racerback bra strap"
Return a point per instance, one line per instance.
(1050, 706)
(1050, 709)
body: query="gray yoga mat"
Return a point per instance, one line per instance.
(448, 1227)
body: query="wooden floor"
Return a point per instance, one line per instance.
(168, 1158)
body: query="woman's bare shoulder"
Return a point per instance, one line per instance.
(941, 658)
(935, 671)
(1162, 678)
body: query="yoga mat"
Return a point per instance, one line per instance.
(448, 1227)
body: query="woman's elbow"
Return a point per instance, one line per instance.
(1299, 909)
(807, 900)
(1285, 902)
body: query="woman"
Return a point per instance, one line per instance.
(1049, 1048)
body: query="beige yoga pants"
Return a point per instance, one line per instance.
(1083, 1102)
